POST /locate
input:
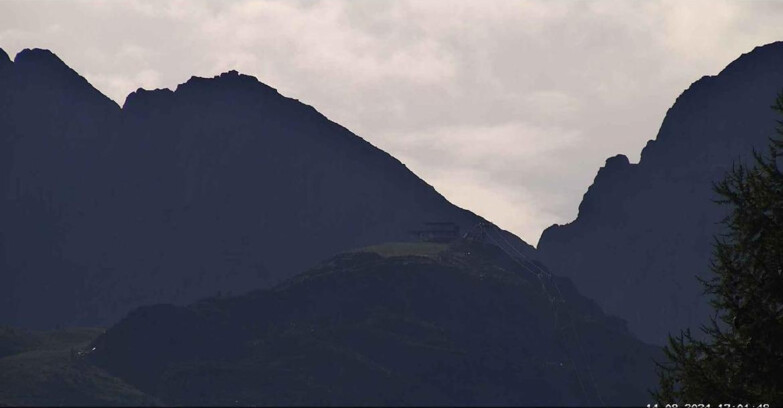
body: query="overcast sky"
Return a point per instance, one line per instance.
(508, 108)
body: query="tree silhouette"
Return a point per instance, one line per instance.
(740, 359)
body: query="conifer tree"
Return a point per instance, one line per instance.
(740, 359)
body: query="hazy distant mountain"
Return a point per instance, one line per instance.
(222, 185)
(645, 230)
(423, 324)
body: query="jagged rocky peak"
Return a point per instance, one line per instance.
(760, 58)
(44, 62)
(644, 231)
(231, 81)
(4, 59)
(142, 99)
(615, 168)
(609, 177)
(614, 164)
(37, 54)
(42, 74)
(233, 90)
(721, 98)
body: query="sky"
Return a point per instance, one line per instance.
(508, 108)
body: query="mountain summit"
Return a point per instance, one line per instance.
(220, 186)
(644, 231)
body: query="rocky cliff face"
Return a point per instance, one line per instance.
(222, 185)
(644, 231)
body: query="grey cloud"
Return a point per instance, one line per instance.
(506, 107)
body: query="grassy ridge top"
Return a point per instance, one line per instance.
(396, 249)
(393, 324)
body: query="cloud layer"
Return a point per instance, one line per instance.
(507, 107)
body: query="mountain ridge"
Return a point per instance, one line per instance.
(222, 185)
(465, 323)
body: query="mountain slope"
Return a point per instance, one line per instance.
(41, 369)
(53, 128)
(644, 231)
(391, 325)
(222, 185)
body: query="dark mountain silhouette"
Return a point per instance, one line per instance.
(427, 324)
(222, 185)
(645, 231)
(43, 369)
(53, 129)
